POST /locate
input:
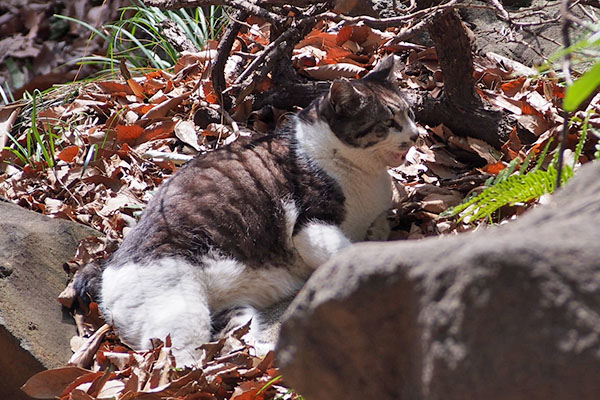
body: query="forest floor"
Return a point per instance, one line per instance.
(95, 152)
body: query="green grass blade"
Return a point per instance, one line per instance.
(526, 162)
(268, 384)
(542, 157)
(149, 55)
(48, 156)
(84, 24)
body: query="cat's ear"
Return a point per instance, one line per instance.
(385, 71)
(343, 97)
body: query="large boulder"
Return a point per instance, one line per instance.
(34, 330)
(511, 312)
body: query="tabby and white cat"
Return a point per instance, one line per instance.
(244, 226)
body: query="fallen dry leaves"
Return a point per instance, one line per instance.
(37, 47)
(124, 374)
(117, 141)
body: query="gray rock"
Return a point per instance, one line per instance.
(34, 330)
(511, 312)
(528, 44)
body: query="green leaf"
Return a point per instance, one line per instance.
(582, 88)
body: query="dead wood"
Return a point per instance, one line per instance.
(225, 46)
(177, 37)
(277, 52)
(460, 107)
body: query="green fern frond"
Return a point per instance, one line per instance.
(515, 189)
(509, 189)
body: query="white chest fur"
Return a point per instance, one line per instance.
(364, 179)
(366, 198)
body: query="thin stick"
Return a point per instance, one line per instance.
(501, 10)
(566, 24)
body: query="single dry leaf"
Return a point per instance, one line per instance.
(515, 67)
(51, 383)
(534, 124)
(248, 394)
(129, 132)
(85, 354)
(356, 33)
(113, 87)
(513, 87)
(141, 108)
(163, 108)
(68, 154)
(319, 39)
(186, 132)
(334, 71)
(209, 93)
(437, 203)
(494, 168)
(68, 295)
(484, 150)
(96, 386)
(513, 145)
(119, 360)
(217, 130)
(502, 101)
(136, 88)
(158, 130)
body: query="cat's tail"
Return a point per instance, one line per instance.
(87, 282)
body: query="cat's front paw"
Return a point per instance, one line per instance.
(379, 229)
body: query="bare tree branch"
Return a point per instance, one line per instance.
(501, 10)
(225, 46)
(261, 65)
(176, 36)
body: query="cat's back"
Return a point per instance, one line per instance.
(229, 200)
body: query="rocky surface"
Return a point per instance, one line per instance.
(529, 44)
(34, 330)
(511, 312)
(527, 41)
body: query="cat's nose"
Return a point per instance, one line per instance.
(414, 135)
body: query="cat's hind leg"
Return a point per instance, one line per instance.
(154, 299)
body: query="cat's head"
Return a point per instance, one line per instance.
(371, 114)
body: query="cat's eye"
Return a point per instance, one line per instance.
(388, 122)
